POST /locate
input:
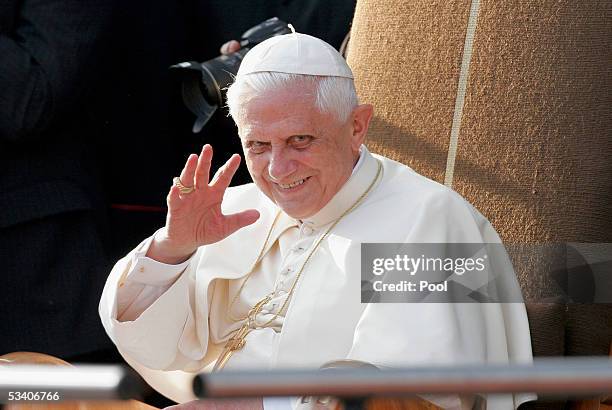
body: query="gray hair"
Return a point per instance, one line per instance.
(333, 95)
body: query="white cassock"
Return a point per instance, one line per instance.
(171, 320)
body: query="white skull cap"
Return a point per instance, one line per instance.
(295, 53)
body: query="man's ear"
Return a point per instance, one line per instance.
(361, 116)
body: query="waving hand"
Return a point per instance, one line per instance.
(195, 218)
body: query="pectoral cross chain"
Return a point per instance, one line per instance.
(238, 339)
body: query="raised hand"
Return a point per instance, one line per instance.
(195, 219)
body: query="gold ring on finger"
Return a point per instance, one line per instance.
(182, 188)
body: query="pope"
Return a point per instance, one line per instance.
(267, 275)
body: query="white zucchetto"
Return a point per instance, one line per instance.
(295, 53)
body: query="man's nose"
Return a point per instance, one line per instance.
(281, 165)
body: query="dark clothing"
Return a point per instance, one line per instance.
(50, 288)
(146, 126)
(53, 258)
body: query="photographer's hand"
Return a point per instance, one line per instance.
(195, 219)
(230, 47)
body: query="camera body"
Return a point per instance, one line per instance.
(204, 84)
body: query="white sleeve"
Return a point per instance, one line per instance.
(144, 282)
(277, 403)
(147, 309)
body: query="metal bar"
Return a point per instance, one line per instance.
(58, 383)
(571, 376)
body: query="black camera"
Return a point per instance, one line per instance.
(204, 84)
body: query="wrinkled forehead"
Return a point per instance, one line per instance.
(277, 118)
(288, 104)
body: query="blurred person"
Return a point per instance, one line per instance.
(52, 226)
(267, 275)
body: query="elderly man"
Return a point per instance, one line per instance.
(267, 275)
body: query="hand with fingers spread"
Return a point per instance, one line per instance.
(195, 219)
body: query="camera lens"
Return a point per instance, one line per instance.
(204, 85)
(218, 74)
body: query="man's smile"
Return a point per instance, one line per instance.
(291, 186)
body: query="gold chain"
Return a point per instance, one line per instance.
(259, 258)
(237, 341)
